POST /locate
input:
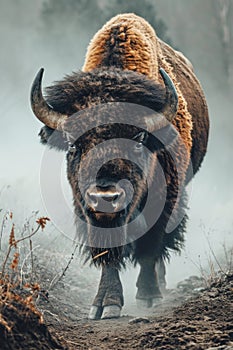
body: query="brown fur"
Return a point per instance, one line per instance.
(122, 65)
(125, 46)
(135, 41)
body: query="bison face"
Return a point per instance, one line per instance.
(110, 121)
(108, 171)
(111, 169)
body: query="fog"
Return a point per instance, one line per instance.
(27, 44)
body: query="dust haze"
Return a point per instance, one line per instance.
(28, 43)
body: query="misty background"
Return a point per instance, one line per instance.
(54, 34)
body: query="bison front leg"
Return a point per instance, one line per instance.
(148, 286)
(109, 298)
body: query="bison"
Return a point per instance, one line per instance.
(134, 123)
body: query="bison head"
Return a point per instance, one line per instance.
(113, 125)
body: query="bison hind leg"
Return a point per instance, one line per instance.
(160, 268)
(148, 283)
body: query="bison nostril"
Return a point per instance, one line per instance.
(114, 198)
(92, 199)
(119, 200)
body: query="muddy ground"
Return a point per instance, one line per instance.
(190, 317)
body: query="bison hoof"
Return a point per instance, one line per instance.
(148, 303)
(95, 312)
(144, 303)
(111, 311)
(157, 301)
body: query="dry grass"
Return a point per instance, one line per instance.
(15, 290)
(219, 265)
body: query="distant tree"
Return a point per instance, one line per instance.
(224, 16)
(63, 13)
(60, 17)
(67, 27)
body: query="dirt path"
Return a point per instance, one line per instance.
(203, 322)
(188, 318)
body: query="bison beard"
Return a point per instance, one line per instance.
(127, 65)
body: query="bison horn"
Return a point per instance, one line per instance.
(41, 109)
(170, 109)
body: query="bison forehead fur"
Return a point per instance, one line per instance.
(82, 90)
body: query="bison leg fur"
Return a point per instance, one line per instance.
(161, 273)
(109, 298)
(147, 283)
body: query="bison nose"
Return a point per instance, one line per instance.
(105, 200)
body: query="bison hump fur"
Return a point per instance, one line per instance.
(128, 42)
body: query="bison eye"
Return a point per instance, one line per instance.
(140, 138)
(138, 147)
(72, 149)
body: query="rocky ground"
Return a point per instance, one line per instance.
(190, 317)
(52, 313)
(203, 321)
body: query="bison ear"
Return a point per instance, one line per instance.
(53, 138)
